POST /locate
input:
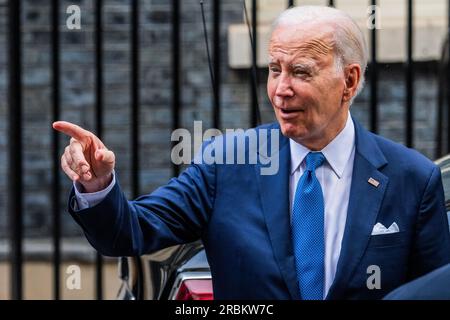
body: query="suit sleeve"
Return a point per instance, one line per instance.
(432, 239)
(173, 214)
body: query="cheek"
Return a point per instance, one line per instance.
(271, 87)
(307, 91)
(335, 89)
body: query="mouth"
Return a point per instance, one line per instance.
(290, 110)
(289, 113)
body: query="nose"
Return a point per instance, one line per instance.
(284, 86)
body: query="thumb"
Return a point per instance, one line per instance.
(105, 156)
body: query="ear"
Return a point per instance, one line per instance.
(352, 74)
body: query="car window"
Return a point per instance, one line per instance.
(446, 183)
(444, 164)
(448, 219)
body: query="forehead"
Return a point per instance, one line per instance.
(311, 40)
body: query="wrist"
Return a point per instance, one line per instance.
(97, 185)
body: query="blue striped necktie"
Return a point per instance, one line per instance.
(308, 230)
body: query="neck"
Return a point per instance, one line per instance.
(334, 127)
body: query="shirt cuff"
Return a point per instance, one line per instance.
(89, 200)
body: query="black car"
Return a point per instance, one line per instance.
(444, 164)
(182, 272)
(176, 273)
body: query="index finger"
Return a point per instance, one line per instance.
(72, 130)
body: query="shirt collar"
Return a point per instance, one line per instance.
(337, 152)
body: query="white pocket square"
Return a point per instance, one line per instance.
(381, 229)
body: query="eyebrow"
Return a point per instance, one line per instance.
(308, 66)
(305, 65)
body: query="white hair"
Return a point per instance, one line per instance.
(349, 44)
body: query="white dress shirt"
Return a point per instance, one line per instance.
(335, 177)
(87, 200)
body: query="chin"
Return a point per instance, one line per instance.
(293, 131)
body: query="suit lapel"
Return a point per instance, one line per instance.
(364, 205)
(274, 191)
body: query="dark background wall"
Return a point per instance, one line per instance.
(77, 84)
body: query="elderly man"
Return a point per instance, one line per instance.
(348, 215)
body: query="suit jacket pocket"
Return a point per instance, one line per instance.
(387, 240)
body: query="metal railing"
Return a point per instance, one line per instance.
(15, 184)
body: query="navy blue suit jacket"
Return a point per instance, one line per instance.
(243, 219)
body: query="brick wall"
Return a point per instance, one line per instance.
(77, 85)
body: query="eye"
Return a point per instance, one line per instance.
(300, 72)
(274, 69)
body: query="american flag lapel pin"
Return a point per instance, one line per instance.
(373, 182)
